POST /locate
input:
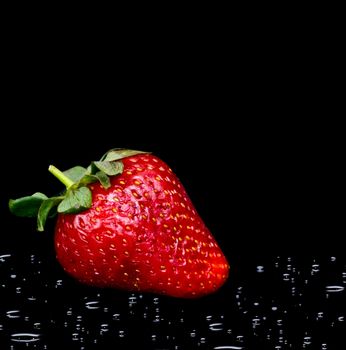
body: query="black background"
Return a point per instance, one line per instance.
(246, 120)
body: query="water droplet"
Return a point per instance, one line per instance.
(58, 283)
(121, 334)
(319, 315)
(256, 322)
(315, 269)
(92, 305)
(260, 269)
(286, 276)
(18, 290)
(216, 327)
(104, 328)
(25, 337)
(13, 314)
(334, 289)
(156, 319)
(332, 258)
(133, 300)
(37, 325)
(13, 276)
(341, 318)
(4, 257)
(240, 338)
(307, 340)
(225, 347)
(116, 317)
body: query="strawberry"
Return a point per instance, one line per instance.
(127, 222)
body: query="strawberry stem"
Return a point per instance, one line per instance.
(60, 176)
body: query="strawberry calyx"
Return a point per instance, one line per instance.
(77, 196)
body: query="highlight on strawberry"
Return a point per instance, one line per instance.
(127, 222)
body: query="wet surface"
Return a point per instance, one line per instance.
(276, 302)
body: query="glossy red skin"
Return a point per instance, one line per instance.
(142, 234)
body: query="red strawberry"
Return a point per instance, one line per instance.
(142, 233)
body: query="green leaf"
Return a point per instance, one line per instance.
(110, 168)
(119, 153)
(99, 176)
(104, 179)
(75, 173)
(27, 206)
(75, 201)
(44, 210)
(92, 169)
(87, 179)
(39, 195)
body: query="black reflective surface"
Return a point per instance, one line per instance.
(276, 302)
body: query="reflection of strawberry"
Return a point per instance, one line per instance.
(142, 233)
